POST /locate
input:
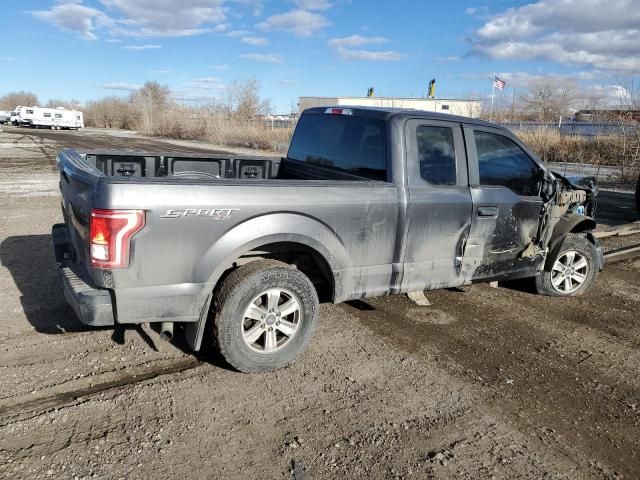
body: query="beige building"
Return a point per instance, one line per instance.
(465, 108)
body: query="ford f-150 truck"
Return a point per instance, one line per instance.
(239, 251)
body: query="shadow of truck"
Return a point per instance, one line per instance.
(31, 262)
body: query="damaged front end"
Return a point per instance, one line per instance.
(569, 205)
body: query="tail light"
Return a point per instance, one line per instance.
(110, 232)
(338, 111)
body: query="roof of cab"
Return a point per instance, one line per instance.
(385, 113)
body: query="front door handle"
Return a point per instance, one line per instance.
(487, 211)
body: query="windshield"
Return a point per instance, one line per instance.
(345, 142)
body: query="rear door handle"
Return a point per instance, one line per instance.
(487, 211)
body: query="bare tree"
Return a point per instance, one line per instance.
(629, 92)
(629, 98)
(110, 112)
(242, 99)
(72, 104)
(13, 99)
(549, 99)
(151, 101)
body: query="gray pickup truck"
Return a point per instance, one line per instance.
(239, 251)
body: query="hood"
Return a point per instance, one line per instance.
(588, 183)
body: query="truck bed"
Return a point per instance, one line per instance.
(206, 167)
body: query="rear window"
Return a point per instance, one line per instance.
(344, 142)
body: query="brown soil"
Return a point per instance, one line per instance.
(485, 383)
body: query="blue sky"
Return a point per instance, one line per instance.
(93, 48)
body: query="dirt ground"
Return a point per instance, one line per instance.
(485, 383)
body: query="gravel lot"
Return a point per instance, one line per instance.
(485, 383)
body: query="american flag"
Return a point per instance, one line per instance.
(499, 84)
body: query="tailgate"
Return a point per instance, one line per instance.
(78, 181)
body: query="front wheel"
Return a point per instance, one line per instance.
(264, 316)
(574, 268)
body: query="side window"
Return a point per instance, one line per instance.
(502, 162)
(58, 115)
(29, 112)
(47, 115)
(436, 154)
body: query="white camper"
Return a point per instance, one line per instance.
(63, 118)
(54, 118)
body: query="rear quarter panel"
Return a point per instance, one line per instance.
(352, 224)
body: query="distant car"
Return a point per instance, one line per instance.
(4, 117)
(638, 194)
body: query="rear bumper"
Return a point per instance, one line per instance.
(92, 305)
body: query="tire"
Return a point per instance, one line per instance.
(577, 257)
(251, 289)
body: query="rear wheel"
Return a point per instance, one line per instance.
(573, 271)
(264, 316)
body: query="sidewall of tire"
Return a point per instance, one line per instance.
(581, 245)
(236, 297)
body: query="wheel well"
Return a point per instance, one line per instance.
(585, 225)
(306, 259)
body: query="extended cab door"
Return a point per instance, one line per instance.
(505, 187)
(439, 205)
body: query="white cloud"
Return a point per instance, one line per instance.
(238, 33)
(128, 87)
(356, 41)
(449, 59)
(221, 27)
(313, 4)
(152, 18)
(142, 47)
(386, 56)
(344, 47)
(256, 41)
(300, 23)
(602, 34)
(207, 83)
(163, 72)
(520, 79)
(256, 6)
(263, 57)
(137, 18)
(73, 17)
(477, 11)
(223, 67)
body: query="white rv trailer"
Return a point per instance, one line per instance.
(54, 118)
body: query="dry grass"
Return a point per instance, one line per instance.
(221, 128)
(620, 151)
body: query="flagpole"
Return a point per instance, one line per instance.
(493, 89)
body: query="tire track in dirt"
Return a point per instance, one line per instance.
(522, 376)
(42, 402)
